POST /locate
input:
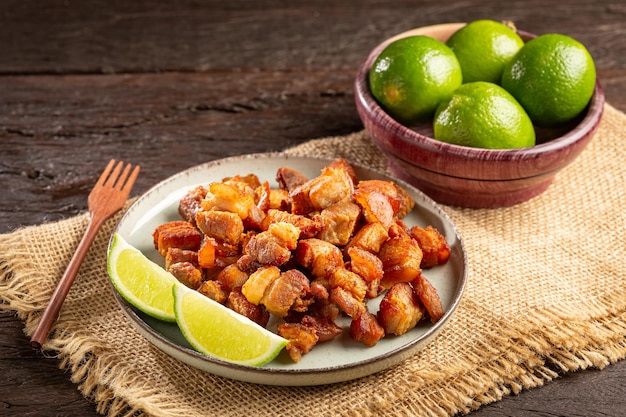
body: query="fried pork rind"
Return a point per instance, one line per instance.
(289, 291)
(401, 257)
(400, 201)
(303, 336)
(322, 307)
(191, 203)
(306, 253)
(333, 185)
(433, 244)
(262, 196)
(214, 290)
(347, 302)
(258, 282)
(374, 289)
(226, 254)
(207, 253)
(349, 281)
(406, 201)
(238, 302)
(228, 197)
(429, 298)
(325, 327)
(279, 200)
(177, 234)
(187, 274)
(309, 226)
(246, 183)
(338, 222)
(231, 277)
(400, 309)
(222, 225)
(318, 256)
(274, 246)
(301, 339)
(370, 237)
(268, 198)
(378, 205)
(367, 265)
(344, 166)
(289, 178)
(348, 291)
(175, 255)
(366, 329)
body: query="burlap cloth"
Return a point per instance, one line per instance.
(546, 292)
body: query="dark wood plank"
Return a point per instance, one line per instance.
(169, 86)
(53, 152)
(590, 393)
(118, 36)
(31, 385)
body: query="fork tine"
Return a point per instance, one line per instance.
(131, 180)
(119, 181)
(105, 173)
(114, 175)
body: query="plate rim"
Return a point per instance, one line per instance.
(292, 377)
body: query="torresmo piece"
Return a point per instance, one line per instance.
(306, 253)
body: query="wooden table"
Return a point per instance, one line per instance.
(168, 86)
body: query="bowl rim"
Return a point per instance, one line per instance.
(409, 136)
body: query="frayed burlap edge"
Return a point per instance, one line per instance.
(95, 368)
(514, 360)
(559, 344)
(92, 369)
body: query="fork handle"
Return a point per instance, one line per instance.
(51, 312)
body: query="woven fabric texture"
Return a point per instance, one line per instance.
(546, 290)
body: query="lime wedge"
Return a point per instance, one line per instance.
(218, 332)
(141, 282)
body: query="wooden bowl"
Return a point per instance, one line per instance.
(465, 176)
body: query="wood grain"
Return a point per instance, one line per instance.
(171, 85)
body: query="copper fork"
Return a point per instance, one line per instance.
(105, 199)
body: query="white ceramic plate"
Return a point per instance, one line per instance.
(338, 360)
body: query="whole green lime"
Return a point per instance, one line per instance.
(483, 48)
(553, 77)
(483, 115)
(412, 76)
